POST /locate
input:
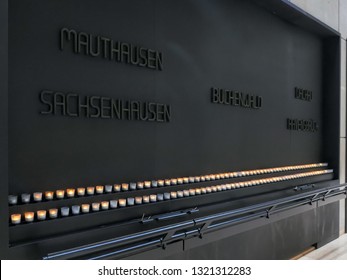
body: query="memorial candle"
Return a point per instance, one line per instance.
(99, 189)
(41, 215)
(29, 216)
(16, 219)
(53, 213)
(81, 191)
(12, 199)
(60, 194)
(85, 208)
(49, 195)
(122, 202)
(70, 192)
(90, 190)
(105, 205)
(95, 206)
(138, 200)
(37, 196)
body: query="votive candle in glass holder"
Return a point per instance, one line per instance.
(180, 181)
(108, 188)
(145, 199)
(49, 195)
(138, 200)
(81, 191)
(99, 189)
(160, 197)
(53, 213)
(125, 187)
(191, 179)
(37, 196)
(202, 178)
(207, 178)
(167, 182)
(41, 215)
(208, 189)
(65, 211)
(139, 185)
(105, 205)
(29, 216)
(185, 180)
(114, 203)
(122, 202)
(191, 192)
(60, 194)
(153, 198)
(179, 194)
(197, 179)
(132, 186)
(197, 191)
(174, 181)
(130, 201)
(12, 199)
(75, 209)
(90, 190)
(85, 208)
(147, 184)
(203, 190)
(167, 196)
(213, 177)
(70, 193)
(117, 188)
(16, 219)
(185, 193)
(95, 206)
(173, 195)
(217, 176)
(154, 184)
(161, 183)
(214, 189)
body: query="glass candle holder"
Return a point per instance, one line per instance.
(25, 197)
(113, 203)
(108, 188)
(154, 184)
(161, 183)
(125, 187)
(186, 193)
(70, 192)
(197, 191)
(85, 208)
(130, 201)
(12, 199)
(191, 179)
(145, 199)
(132, 186)
(180, 194)
(81, 191)
(153, 198)
(139, 185)
(173, 181)
(37, 196)
(60, 194)
(117, 188)
(160, 197)
(167, 196)
(167, 182)
(90, 190)
(138, 200)
(180, 181)
(185, 180)
(197, 179)
(75, 209)
(29, 216)
(65, 211)
(147, 184)
(53, 213)
(99, 189)
(41, 215)
(95, 206)
(173, 195)
(16, 219)
(105, 205)
(122, 202)
(49, 195)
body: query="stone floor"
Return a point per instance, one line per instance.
(335, 250)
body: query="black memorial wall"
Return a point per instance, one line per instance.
(230, 45)
(122, 91)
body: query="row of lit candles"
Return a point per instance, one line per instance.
(130, 201)
(71, 192)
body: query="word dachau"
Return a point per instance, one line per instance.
(74, 105)
(99, 46)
